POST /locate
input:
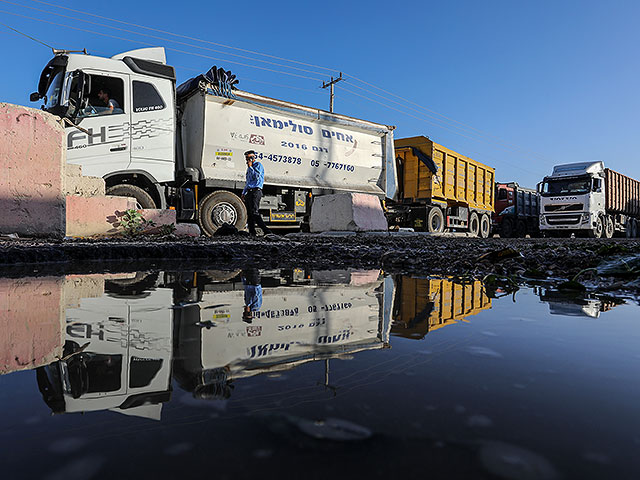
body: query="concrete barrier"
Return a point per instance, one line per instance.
(91, 216)
(355, 212)
(32, 160)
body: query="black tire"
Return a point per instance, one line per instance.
(521, 229)
(635, 229)
(506, 229)
(474, 224)
(485, 226)
(608, 227)
(221, 207)
(435, 220)
(125, 190)
(597, 231)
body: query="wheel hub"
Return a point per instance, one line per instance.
(224, 213)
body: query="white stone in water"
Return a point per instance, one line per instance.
(515, 463)
(479, 421)
(483, 352)
(178, 449)
(333, 429)
(67, 445)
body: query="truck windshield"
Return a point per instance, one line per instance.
(54, 92)
(567, 186)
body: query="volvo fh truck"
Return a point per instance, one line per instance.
(183, 147)
(587, 199)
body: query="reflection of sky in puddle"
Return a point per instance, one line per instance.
(166, 362)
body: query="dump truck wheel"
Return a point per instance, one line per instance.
(435, 220)
(474, 224)
(629, 230)
(521, 229)
(608, 227)
(506, 229)
(596, 232)
(125, 190)
(485, 226)
(219, 208)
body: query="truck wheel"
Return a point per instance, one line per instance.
(634, 227)
(521, 229)
(221, 207)
(125, 190)
(435, 220)
(608, 227)
(596, 232)
(485, 226)
(507, 228)
(474, 224)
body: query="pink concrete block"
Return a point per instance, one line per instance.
(187, 230)
(355, 212)
(32, 158)
(88, 216)
(31, 322)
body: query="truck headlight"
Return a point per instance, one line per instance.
(541, 219)
(585, 218)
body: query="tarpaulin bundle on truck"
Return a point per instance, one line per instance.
(622, 194)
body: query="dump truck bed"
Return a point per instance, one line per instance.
(457, 179)
(299, 146)
(622, 194)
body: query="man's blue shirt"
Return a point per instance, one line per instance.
(255, 177)
(253, 297)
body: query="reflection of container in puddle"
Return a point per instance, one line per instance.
(423, 305)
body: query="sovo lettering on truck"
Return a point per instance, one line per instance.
(266, 349)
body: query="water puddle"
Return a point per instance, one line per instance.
(319, 373)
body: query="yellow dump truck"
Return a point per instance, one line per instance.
(422, 305)
(440, 189)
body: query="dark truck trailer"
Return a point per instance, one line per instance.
(517, 211)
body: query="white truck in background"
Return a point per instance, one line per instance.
(587, 199)
(183, 148)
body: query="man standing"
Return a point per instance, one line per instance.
(252, 192)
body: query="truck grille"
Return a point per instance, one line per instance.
(563, 219)
(571, 207)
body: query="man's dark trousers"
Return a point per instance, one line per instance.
(252, 202)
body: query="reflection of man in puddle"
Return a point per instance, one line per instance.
(252, 293)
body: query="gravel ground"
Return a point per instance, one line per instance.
(549, 260)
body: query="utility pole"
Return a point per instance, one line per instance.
(331, 84)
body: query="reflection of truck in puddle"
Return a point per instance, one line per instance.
(117, 355)
(561, 303)
(332, 314)
(425, 304)
(120, 347)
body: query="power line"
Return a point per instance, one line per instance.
(159, 38)
(151, 44)
(24, 34)
(432, 123)
(184, 36)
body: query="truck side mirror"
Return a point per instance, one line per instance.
(34, 97)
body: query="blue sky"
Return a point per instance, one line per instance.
(518, 85)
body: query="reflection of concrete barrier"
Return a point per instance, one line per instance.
(32, 159)
(31, 322)
(356, 212)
